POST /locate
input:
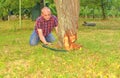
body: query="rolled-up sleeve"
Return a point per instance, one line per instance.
(38, 24)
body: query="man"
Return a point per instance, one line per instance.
(43, 27)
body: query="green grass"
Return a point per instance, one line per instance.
(99, 57)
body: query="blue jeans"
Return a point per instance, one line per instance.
(34, 39)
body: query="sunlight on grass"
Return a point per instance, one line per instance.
(99, 57)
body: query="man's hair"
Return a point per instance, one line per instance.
(45, 9)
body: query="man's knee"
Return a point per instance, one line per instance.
(50, 38)
(32, 43)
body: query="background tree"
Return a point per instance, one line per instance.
(100, 8)
(7, 6)
(89, 8)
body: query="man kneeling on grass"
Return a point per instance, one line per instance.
(43, 27)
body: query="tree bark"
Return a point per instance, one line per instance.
(68, 15)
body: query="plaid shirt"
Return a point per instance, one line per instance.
(46, 25)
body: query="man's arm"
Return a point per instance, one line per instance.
(42, 38)
(56, 29)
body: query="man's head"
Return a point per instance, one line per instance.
(46, 13)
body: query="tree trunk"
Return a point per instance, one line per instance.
(42, 3)
(20, 20)
(103, 9)
(68, 15)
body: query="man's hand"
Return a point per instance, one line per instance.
(42, 38)
(48, 43)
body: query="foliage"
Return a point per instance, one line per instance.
(89, 8)
(110, 8)
(7, 5)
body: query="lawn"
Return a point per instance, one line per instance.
(99, 57)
